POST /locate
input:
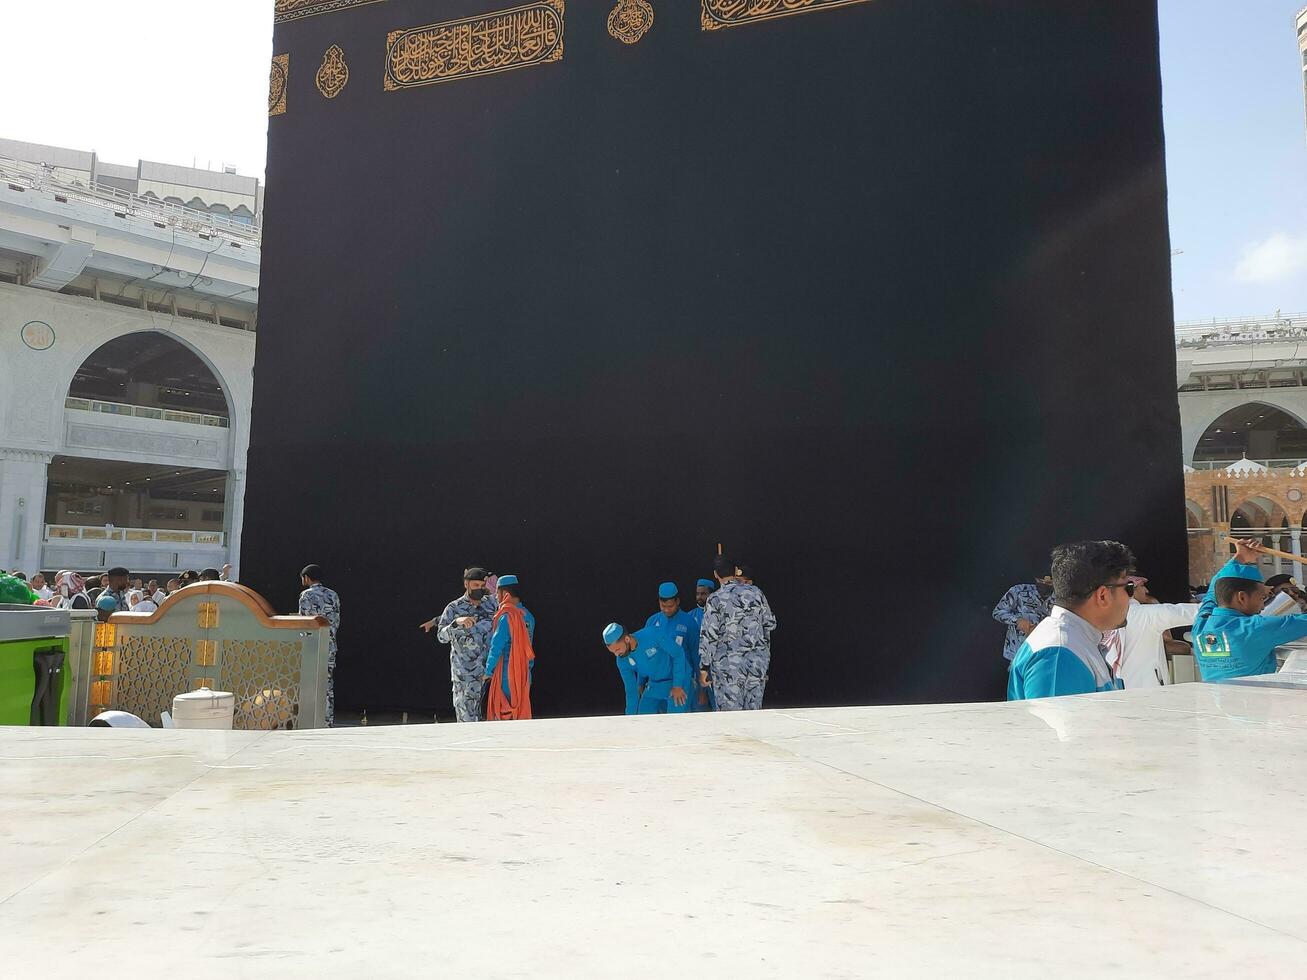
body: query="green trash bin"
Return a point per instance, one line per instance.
(34, 669)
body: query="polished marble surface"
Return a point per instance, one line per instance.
(1141, 833)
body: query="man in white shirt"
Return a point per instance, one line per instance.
(1137, 652)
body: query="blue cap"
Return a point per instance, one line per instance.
(1240, 571)
(668, 590)
(107, 602)
(612, 633)
(506, 580)
(707, 583)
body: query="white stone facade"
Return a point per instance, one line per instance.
(36, 425)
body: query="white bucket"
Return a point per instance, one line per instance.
(204, 709)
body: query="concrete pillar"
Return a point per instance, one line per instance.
(23, 478)
(234, 519)
(1295, 546)
(1277, 560)
(1220, 553)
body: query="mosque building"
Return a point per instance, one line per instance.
(128, 307)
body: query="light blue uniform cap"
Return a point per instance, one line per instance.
(1243, 571)
(506, 580)
(612, 633)
(707, 583)
(668, 590)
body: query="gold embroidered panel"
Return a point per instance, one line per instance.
(499, 41)
(286, 10)
(716, 14)
(333, 73)
(630, 20)
(277, 84)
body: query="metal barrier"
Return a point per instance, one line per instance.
(219, 635)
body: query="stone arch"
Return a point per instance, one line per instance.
(1197, 513)
(1220, 413)
(91, 348)
(1257, 509)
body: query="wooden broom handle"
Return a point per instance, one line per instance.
(1262, 549)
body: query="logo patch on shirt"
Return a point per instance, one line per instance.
(1213, 645)
(651, 652)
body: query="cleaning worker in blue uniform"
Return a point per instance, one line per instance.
(658, 665)
(702, 590)
(630, 679)
(1231, 638)
(705, 697)
(1064, 654)
(684, 632)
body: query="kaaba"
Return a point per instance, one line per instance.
(872, 294)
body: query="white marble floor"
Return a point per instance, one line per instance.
(1135, 834)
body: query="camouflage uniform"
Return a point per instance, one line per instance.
(467, 652)
(318, 600)
(735, 645)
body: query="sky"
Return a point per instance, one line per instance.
(185, 81)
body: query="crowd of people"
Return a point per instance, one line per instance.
(113, 591)
(1089, 625)
(1092, 624)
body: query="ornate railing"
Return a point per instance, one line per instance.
(1280, 328)
(218, 635)
(146, 412)
(134, 535)
(25, 175)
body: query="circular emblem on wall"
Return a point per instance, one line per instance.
(333, 73)
(38, 335)
(1294, 494)
(630, 20)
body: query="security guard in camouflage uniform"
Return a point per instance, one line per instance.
(318, 600)
(735, 641)
(466, 625)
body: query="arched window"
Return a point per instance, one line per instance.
(1254, 430)
(150, 369)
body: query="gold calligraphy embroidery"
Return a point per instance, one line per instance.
(630, 20)
(277, 79)
(333, 73)
(716, 14)
(499, 41)
(287, 10)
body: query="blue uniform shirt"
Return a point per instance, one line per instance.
(1229, 644)
(683, 628)
(684, 631)
(501, 641)
(659, 665)
(1062, 655)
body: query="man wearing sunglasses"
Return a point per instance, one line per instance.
(1231, 637)
(1064, 654)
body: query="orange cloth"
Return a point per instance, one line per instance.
(520, 657)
